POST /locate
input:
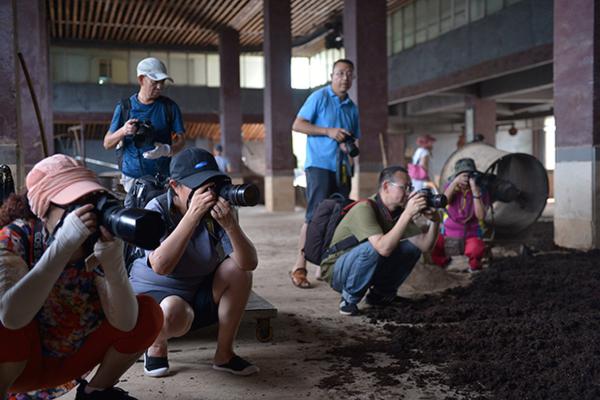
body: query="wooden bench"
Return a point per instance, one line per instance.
(261, 311)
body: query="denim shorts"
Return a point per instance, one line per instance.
(206, 311)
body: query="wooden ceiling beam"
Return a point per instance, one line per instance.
(132, 21)
(189, 21)
(51, 12)
(168, 20)
(146, 15)
(246, 14)
(60, 17)
(120, 6)
(183, 23)
(121, 20)
(158, 21)
(204, 35)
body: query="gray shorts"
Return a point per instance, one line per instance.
(204, 306)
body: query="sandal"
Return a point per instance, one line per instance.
(298, 277)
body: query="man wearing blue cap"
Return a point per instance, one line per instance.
(201, 273)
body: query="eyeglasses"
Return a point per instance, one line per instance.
(154, 83)
(407, 188)
(341, 74)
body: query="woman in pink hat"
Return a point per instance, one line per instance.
(66, 304)
(422, 158)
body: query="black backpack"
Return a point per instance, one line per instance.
(144, 189)
(7, 184)
(125, 111)
(320, 229)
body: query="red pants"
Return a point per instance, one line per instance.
(45, 372)
(474, 249)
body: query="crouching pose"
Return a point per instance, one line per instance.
(389, 243)
(66, 305)
(201, 272)
(468, 202)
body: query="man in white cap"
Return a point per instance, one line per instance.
(146, 128)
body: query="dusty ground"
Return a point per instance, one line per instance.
(306, 357)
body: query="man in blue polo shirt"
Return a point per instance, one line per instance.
(143, 158)
(328, 118)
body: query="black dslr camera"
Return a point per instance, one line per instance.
(140, 227)
(144, 134)
(353, 150)
(482, 179)
(246, 195)
(434, 200)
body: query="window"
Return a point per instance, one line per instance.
(445, 16)
(421, 22)
(134, 58)
(197, 69)
(491, 6)
(388, 35)
(409, 25)
(397, 38)
(119, 71)
(300, 72)
(178, 68)
(104, 69)
(78, 67)
(433, 19)
(213, 74)
(477, 9)
(252, 71)
(460, 13)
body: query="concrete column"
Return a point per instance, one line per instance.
(365, 44)
(230, 116)
(278, 115)
(484, 119)
(577, 110)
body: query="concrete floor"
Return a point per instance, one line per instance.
(308, 324)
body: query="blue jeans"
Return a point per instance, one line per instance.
(362, 268)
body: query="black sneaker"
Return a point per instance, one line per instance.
(113, 393)
(237, 366)
(348, 308)
(155, 366)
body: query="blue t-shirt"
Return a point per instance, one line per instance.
(134, 164)
(200, 259)
(324, 108)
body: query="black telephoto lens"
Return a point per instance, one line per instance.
(240, 195)
(140, 227)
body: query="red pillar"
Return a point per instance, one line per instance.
(24, 29)
(278, 114)
(365, 44)
(577, 113)
(484, 119)
(230, 116)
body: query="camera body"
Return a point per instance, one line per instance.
(482, 179)
(143, 228)
(353, 150)
(144, 134)
(434, 200)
